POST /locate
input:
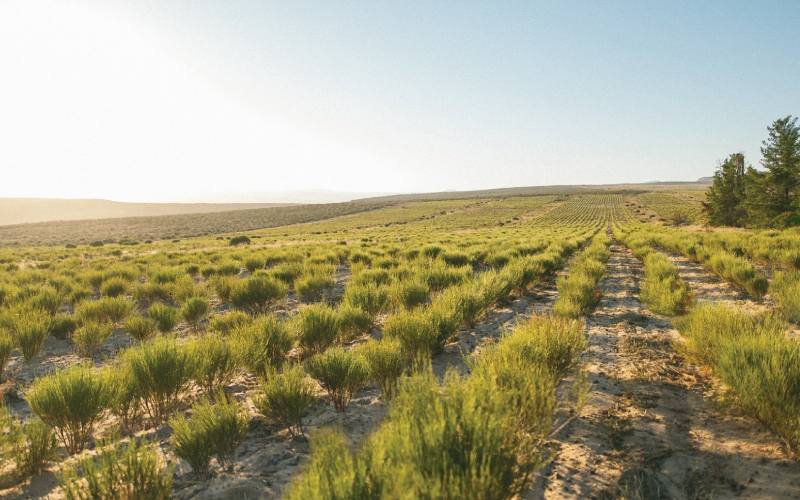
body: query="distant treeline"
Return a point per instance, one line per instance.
(740, 195)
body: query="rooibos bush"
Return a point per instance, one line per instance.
(165, 317)
(215, 362)
(340, 372)
(70, 401)
(316, 327)
(256, 293)
(227, 322)
(286, 398)
(114, 287)
(263, 345)
(415, 332)
(311, 288)
(194, 310)
(161, 370)
(214, 430)
(30, 444)
(104, 310)
(132, 470)
(353, 322)
(30, 328)
(6, 345)
(90, 336)
(141, 328)
(386, 363)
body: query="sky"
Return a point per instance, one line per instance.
(206, 100)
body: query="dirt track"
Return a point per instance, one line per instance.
(649, 427)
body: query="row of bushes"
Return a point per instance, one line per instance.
(662, 289)
(479, 437)
(754, 358)
(577, 291)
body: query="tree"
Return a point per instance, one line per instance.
(726, 196)
(781, 158)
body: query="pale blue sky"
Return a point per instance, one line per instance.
(167, 100)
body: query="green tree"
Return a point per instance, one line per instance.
(781, 159)
(725, 197)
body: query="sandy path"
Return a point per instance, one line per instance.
(647, 429)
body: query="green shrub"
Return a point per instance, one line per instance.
(257, 293)
(104, 310)
(125, 398)
(408, 294)
(71, 401)
(114, 287)
(46, 298)
(227, 322)
(147, 293)
(370, 298)
(132, 470)
(415, 332)
(165, 317)
(214, 430)
(331, 471)
(312, 288)
(340, 372)
(239, 240)
(141, 328)
(353, 321)
(263, 344)
(386, 363)
(763, 374)
(62, 326)
(195, 310)
(30, 328)
(786, 291)
(223, 287)
(30, 444)
(662, 289)
(286, 398)
(89, 338)
(215, 362)
(316, 327)
(161, 371)
(455, 259)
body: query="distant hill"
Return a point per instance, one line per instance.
(25, 210)
(137, 229)
(545, 190)
(705, 180)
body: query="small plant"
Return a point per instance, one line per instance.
(124, 396)
(214, 430)
(408, 294)
(312, 288)
(239, 240)
(257, 293)
(341, 373)
(316, 328)
(30, 328)
(228, 322)
(89, 337)
(132, 470)
(215, 362)
(70, 401)
(161, 371)
(141, 328)
(114, 287)
(286, 398)
(353, 322)
(165, 317)
(370, 298)
(62, 326)
(31, 444)
(104, 310)
(194, 311)
(386, 363)
(263, 345)
(415, 332)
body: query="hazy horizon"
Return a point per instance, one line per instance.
(207, 101)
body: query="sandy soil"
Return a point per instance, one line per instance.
(649, 427)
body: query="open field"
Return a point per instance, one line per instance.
(557, 345)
